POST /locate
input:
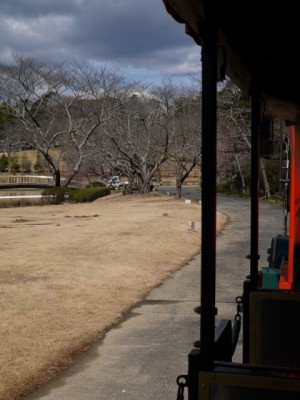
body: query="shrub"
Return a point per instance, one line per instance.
(25, 164)
(223, 187)
(4, 163)
(230, 188)
(96, 184)
(56, 195)
(14, 164)
(88, 194)
(226, 188)
(38, 166)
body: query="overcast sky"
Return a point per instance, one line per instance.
(136, 37)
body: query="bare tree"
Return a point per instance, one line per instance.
(154, 125)
(30, 85)
(235, 135)
(186, 149)
(138, 140)
(60, 105)
(100, 94)
(234, 132)
(9, 136)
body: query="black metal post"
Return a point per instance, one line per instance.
(208, 239)
(256, 117)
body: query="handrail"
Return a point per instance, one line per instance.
(33, 179)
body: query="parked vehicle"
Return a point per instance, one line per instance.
(116, 183)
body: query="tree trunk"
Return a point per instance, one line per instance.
(241, 173)
(178, 189)
(182, 172)
(144, 187)
(57, 177)
(265, 179)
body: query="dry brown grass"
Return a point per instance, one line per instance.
(70, 272)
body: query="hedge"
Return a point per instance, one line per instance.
(88, 194)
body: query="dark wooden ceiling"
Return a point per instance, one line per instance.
(260, 41)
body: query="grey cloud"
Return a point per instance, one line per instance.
(127, 32)
(35, 8)
(129, 29)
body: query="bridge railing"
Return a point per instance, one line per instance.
(34, 179)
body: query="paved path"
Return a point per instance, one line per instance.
(141, 358)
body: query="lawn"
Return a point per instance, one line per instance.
(70, 272)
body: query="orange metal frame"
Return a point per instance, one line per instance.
(287, 273)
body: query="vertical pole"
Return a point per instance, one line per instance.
(254, 256)
(208, 238)
(252, 284)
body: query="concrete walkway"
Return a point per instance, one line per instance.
(141, 358)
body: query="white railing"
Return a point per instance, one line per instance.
(34, 179)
